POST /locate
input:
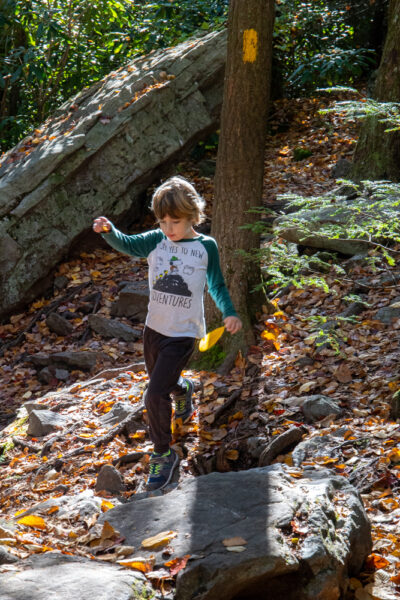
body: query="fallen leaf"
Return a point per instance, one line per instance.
(235, 541)
(376, 561)
(343, 374)
(33, 521)
(232, 454)
(139, 564)
(161, 539)
(177, 564)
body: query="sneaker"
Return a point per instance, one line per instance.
(162, 467)
(183, 402)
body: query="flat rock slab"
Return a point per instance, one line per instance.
(260, 506)
(55, 576)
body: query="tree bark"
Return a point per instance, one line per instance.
(377, 154)
(240, 160)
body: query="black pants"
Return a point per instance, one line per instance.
(165, 357)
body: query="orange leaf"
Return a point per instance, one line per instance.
(177, 564)
(376, 561)
(139, 565)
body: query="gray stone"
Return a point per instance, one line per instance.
(341, 169)
(110, 480)
(132, 301)
(6, 558)
(60, 282)
(46, 375)
(111, 328)
(355, 308)
(257, 505)
(39, 360)
(58, 324)
(84, 361)
(118, 413)
(42, 422)
(317, 407)
(256, 445)
(32, 405)
(57, 576)
(388, 313)
(10, 253)
(61, 374)
(85, 505)
(302, 227)
(320, 445)
(109, 158)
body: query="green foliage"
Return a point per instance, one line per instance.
(314, 45)
(51, 50)
(301, 153)
(385, 112)
(210, 360)
(376, 221)
(379, 220)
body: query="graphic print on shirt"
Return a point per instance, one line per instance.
(170, 281)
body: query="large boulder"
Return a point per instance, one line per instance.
(57, 576)
(98, 154)
(262, 533)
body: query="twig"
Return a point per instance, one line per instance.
(104, 439)
(231, 400)
(95, 309)
(26, 444)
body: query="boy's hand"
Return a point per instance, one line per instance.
(233, 324)
(101, 225)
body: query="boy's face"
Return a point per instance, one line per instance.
(177, 228)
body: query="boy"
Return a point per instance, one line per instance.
(180, 262)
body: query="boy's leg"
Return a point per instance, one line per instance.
(165, 358)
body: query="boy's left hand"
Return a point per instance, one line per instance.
(233, 324)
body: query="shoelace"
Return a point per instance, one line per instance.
(155, 468)
(180, 404)
(156, 464)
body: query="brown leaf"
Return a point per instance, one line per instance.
(343, 374)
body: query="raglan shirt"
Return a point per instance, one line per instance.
(178, 272)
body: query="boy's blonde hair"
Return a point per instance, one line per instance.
(177, 198)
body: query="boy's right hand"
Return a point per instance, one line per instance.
(101, 225)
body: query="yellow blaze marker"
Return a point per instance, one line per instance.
(250, 43)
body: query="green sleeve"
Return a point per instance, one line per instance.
(140, 244)
(215, 280)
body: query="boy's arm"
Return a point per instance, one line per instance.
(215, 281)
(140, 244)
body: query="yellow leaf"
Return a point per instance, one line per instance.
(210, 339)
(268, 335)
(161, 539)
(106, 505)
(232, 455)
(236, 417)
(33, 521)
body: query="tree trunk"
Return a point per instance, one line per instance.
(377, 154)
(240, 160)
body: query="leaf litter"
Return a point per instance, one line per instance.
(261, 396)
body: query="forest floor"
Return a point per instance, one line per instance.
(285, 363)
